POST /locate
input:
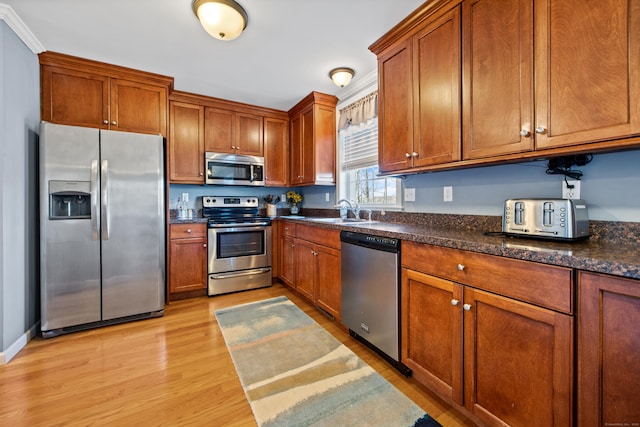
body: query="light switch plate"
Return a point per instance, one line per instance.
(409, 194)
(185, 197)
(447, 193)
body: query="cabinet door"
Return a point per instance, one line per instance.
(608, 350)
(138, 107)
(324, 145)
(219, 130)
(74, 98)
(287, 260)
(587, 78)
(248, 135)
(497, 77)
(186, 143)
(518, 362)
(276, 152)
(305, 268)
(437, 104)
(395, 108)
(307, 153)
(328, 280)
(296, 149)
(432, 332)
(188, 265)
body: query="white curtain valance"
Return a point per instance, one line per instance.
(360, 111)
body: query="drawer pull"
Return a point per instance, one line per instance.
(455, 302)
(466, 307)
(188, 230)
(461, 267)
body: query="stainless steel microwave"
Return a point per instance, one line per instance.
(234, 169)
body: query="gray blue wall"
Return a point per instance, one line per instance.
(19, 122)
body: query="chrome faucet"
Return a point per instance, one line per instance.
(355, 209)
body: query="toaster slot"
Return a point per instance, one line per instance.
(518, 214)
(547, 214)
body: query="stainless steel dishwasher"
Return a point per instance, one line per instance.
(371, 293)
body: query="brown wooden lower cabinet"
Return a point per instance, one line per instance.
(310, 264)
(608, 350)
(505, 361)
(187, 259)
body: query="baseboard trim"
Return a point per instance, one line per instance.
(9, 353)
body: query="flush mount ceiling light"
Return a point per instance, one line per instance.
(341, 76)
(222, 19)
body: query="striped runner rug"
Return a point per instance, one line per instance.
(295, 373)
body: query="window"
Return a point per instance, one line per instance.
(359, 178)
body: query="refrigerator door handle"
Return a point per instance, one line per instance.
(95, 190)
(104, 178)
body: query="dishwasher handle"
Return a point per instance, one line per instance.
(386, 244)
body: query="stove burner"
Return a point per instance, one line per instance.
(224, 210)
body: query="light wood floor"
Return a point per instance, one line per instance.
(172, 371)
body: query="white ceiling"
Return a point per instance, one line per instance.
(286, 51)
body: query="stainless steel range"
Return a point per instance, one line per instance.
(239, 243)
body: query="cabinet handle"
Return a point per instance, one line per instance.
(113, 123)
(455, 302)
(407, 155)
(105, 122)
(525, 133)
(414, 154)
(461, 267)
(540, 129)
(466, 307)
(188, 230)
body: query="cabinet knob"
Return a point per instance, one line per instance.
(204, 245)
(105, 122)
(233, 147)
(201, 173)
(188, 230)
(455, 302)
(525, 133)
(466, 307)
(237, 147)
(461, 267)
(414, 154)
(541, 129)
(407, 155)
(113, 123)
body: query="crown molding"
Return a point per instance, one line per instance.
(8, 15)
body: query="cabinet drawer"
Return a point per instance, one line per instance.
(319, 235)
(288, 228)
(541, 284)
(186, 231)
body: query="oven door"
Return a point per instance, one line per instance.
(239, 247)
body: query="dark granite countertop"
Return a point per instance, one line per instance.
(617, 253)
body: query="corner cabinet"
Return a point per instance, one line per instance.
(490, 334)
(80, 92)
(201, 123)
(310, 264)
(187, 260)
(313, 140)
(608, 350)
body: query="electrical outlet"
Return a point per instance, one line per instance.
(570, 193)
(447, 193)
(185, 197)
(409, 194)
(326, 197)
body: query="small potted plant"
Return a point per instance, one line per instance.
(294, 199)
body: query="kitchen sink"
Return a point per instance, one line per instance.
(340, 220)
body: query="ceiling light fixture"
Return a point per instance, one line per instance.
(341, 76)
(222, 19)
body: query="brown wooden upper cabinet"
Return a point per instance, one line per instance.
(313, 140)
(81, 92)
(534, 78)
(233, 132)
(200, 123)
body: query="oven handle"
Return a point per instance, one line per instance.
(244, 273)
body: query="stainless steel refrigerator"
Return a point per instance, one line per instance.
(102, 227)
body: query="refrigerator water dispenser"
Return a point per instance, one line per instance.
(69, 200)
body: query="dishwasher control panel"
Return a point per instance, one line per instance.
(386, 244)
